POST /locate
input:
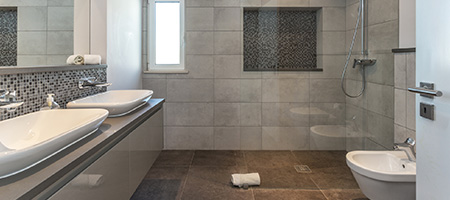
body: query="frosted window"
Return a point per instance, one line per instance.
(167, 30)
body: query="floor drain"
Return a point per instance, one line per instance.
(302, 169)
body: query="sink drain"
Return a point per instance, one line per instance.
(302, 169)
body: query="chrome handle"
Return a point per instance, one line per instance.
(424, 91)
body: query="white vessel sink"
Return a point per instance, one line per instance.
(117, 102)
(30, 139)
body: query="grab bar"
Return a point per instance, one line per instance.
(425, 91)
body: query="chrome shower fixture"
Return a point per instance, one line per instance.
(364, 62)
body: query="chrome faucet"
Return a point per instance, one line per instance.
(8, 100)
(91, 82)
(408, 148)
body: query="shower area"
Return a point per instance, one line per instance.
(268, 75)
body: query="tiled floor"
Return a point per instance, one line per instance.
(206, 175)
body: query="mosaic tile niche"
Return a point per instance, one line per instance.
(32, 88)
(8, 36)
(280, 39)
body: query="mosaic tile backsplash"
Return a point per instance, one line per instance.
(280, 39)
(8, 37)
(32, 88)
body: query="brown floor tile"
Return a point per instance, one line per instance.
(334, 178)
(282, 178)
(157, 172)
(321, 159)
(288, 195)
(174, 158)
(157, 189)
(162, 183)
(350, 194)
(270, 159)
(214, 183)
(218, 158)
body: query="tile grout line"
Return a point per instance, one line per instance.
(320, 189)
(246, 166)
(187, 176)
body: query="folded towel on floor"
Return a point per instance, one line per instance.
(75, 60)
(245, 179)
(92, 59)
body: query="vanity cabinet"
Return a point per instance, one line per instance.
(118, 172)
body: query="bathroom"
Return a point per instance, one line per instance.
(233, 92)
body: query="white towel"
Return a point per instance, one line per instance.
(92, 59)
(245, 179)
(75, 60)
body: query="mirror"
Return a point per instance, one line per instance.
(36, 32)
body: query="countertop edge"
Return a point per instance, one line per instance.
(39, 69)
(47, 177)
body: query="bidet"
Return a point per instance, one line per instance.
(383, 174)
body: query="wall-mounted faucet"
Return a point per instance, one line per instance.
(408, 148)
(364, 62)
(91, 82)
(9, 101)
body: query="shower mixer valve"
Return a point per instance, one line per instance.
(364, 62)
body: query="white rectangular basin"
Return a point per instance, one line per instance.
(30, 139)
(117, 102)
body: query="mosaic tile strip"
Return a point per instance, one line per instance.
(280, 39)
(32, 88)
(8, 37)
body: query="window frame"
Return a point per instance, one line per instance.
(152, 67)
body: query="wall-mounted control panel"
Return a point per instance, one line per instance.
(427, 111)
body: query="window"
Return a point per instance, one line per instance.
(166, 36)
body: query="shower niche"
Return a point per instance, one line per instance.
(280, 39)
(8, 36)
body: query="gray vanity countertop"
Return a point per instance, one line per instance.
(38, 179)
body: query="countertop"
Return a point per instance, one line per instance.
(46, 177)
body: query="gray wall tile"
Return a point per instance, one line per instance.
(285, 138)
(251, 90)
(159, 87)
(227, 19)
(326, 91)
(227, 138)
(380, 99)
(382, 11)
(226, 114)
(32, 18)
(285, 114)
(228, 43)
(400, 107)
(199, 19)
(227, 66)
(199, 3)
(189, 114)
(251, 138)
(31, 43)
(199, 66)
(57, 42)
(285, 90)
(400, 70)
(201, 138)
(284, 3)
(250, 114)
(190, 90)
(199, 43)
(227, 90)
(60, 18)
